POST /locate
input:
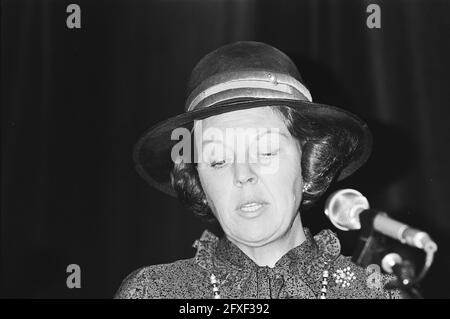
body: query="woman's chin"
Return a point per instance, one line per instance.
(256, 237)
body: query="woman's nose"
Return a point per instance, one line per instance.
(243, 174)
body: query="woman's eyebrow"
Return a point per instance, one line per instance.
(208, 141)
(276, 131)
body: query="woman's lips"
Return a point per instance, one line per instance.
(252, 207)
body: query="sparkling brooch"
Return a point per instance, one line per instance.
(344, 277)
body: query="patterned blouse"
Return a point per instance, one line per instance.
(298, 274)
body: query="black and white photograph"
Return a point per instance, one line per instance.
(239, 150)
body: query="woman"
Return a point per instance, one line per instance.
(262, 153)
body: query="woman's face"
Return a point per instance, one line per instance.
(250, 172)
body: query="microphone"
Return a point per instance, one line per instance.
(390, 261)
(344, 206)
(405, 275)
(394, 264)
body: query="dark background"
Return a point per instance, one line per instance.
(74, 102)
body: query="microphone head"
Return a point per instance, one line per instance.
(389, 261)
(343, 208)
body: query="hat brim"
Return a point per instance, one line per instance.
(152, 153)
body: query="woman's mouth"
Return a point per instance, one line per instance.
(251, 208)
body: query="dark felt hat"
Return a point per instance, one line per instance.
(238, 76)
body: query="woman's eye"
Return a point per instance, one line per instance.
(269, 154)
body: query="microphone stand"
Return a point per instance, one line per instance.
(371, 250)
(370, 247)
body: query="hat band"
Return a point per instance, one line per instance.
(255, 84)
